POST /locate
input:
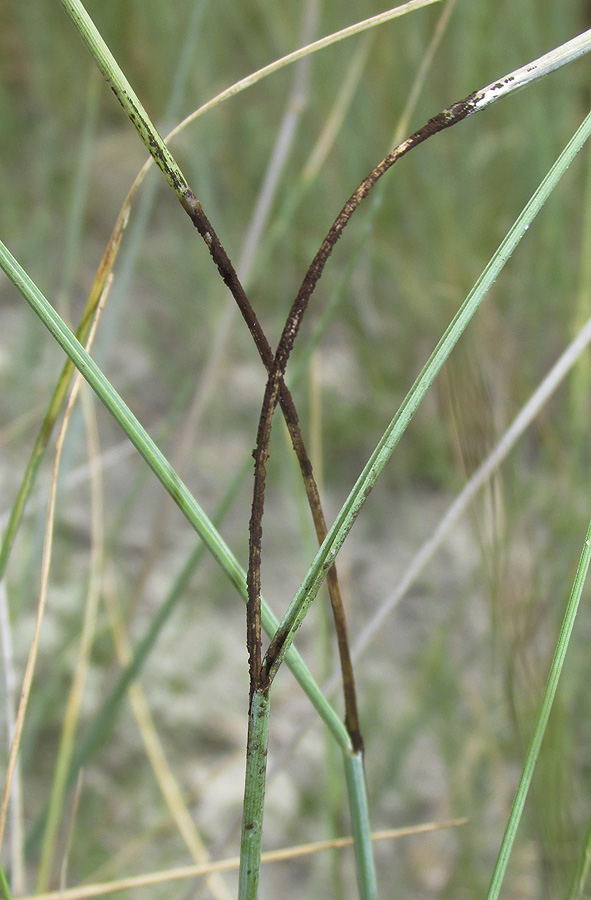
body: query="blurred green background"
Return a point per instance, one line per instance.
(450, 688)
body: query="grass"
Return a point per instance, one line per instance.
(450, 691)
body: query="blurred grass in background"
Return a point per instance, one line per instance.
(449, 691)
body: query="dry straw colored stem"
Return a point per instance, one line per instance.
(155, 752)
(46, 561)
(85, 892)
(74, 701)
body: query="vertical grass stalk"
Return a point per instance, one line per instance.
(362, 842)
(254, 796)
(540, 729)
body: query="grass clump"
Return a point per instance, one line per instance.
(449, 695)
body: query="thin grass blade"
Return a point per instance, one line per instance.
(362, 841)
(577, 888)
(4, 888)
(72, 709)
(539, 731)
(61, 389)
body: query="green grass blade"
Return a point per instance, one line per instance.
(140, 212)
(327, 553)
(30, 475)
(98, 729)
(105, 716)
(536, 741)
(57, 398)
(126, 95)
(123, 415)
(362, 842)
(43, 436)
(164, 472)
(138, 115)
(4, 888)
(134, 108)
(577, 888)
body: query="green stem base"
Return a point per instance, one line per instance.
(254, 796)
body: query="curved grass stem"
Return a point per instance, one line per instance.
(362, 488)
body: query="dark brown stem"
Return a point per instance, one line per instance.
(230, 278)
(445, 119)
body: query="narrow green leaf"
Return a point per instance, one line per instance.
(138, 115)
(4, 888)
(577, 887)
(126, 95)
(539, 731)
